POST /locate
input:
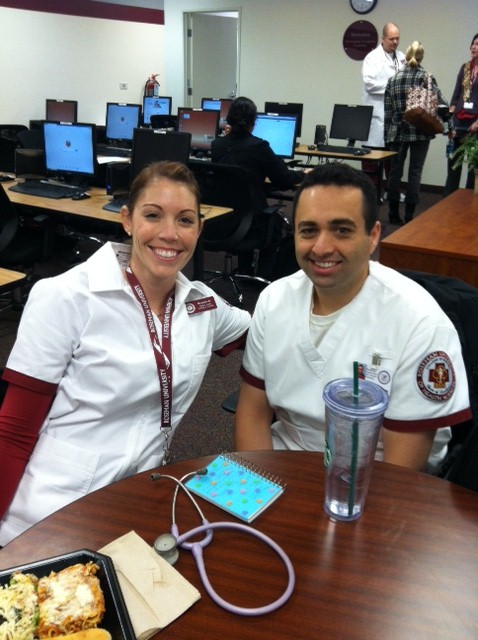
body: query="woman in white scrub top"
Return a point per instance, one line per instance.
(109, 356)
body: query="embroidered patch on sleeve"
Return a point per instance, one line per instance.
(436, 377)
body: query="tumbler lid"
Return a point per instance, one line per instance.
(371, 402)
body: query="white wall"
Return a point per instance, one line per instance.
(47, 55)
(290, 50)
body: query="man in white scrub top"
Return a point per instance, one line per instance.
(341, 307)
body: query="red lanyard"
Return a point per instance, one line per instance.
(162, 352)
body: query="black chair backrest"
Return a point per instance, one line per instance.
(225, 186)
(8, 143)
(459, 301)
(8, 221)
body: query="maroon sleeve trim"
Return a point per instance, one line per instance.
(27, 382)
(232, 346)
(252, 380)
(409, 426)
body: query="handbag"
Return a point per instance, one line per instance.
(421, 108)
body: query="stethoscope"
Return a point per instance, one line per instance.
(166, 545)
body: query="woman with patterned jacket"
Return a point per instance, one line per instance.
(402, 136)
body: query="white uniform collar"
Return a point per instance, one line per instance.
(105, 271)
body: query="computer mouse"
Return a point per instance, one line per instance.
(80, 196)
(311, 147)
(359, 152)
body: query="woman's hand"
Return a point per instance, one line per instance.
(473, 128)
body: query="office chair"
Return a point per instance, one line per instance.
(228, 186)
(8, 143)
(20, 248)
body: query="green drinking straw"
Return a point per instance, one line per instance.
(353, 470)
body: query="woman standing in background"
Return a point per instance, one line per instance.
(464, 107)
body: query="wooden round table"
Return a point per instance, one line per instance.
(408, 569)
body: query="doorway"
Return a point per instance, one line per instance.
(212, 54)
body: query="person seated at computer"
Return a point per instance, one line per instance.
(239, 147)
(109, 357)
(310, 327)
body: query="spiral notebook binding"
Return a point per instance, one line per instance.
(253, 468)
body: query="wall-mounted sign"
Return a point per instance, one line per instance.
(359, 39)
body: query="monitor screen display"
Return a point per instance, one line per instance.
(121, 120)
(202, 125)
(288, 108)
(156, 106)
(70, 149)
(152, 146)
(351, 122)
(279, 131)
(61, 110)
(218, 104)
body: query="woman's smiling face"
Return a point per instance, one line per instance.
(165, 227)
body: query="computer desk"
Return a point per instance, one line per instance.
(374, 156)
(92, 208)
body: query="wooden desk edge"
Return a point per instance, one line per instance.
(8, 276)
(374, 155)
(91, 208)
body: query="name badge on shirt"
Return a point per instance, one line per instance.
(468, 105)
(198, 306)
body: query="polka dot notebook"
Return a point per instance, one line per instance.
(236, 486)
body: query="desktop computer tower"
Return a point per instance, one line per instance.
(117, 177)
(29, 162)
(320, 134)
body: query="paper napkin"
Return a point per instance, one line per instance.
(155, 592)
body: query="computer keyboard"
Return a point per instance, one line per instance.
(46, 189)
(119, 152)
(331, 148)
(116, 203)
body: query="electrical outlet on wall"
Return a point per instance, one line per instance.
(123, 85)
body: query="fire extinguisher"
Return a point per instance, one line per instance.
(151, 88)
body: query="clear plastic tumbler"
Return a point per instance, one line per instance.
(352, 426)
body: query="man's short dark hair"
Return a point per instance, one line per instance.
(343, 175)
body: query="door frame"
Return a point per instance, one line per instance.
(188, 52)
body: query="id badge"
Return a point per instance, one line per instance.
(468, 105)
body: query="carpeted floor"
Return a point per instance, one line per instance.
(207, 428)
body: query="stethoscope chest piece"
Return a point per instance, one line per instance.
(165, 545)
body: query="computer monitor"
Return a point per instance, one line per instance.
(151, 146)
(288, 108)
(70, 150)
(202, 125)
(218, 104)
(121, 121)
(279, 131)
(156, 106)
(164, 122)
(351, 122)
(61, 110)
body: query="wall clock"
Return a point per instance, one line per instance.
(363, 6)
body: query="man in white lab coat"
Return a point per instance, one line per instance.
(378, 66)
